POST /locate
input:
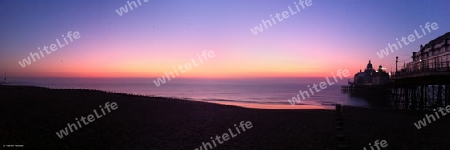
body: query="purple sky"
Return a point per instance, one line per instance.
(150, 39)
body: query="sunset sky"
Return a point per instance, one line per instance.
(150, 39)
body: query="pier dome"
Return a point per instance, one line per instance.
(371, 76)
(369, 66)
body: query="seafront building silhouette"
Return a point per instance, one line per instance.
(434, 56)
(371, 76)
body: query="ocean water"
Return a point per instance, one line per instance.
(266, 92)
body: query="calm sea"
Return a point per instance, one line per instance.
(262, 91)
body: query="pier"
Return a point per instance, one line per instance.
(422, 84)
(423, 89)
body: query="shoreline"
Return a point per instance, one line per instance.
(30, 116)
(237, 104)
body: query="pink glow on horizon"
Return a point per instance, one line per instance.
(122, 57)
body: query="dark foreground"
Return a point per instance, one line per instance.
(31, 116)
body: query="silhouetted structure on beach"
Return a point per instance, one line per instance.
(368, 83)
(371, 76)
(434, 56)
(424, 83)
